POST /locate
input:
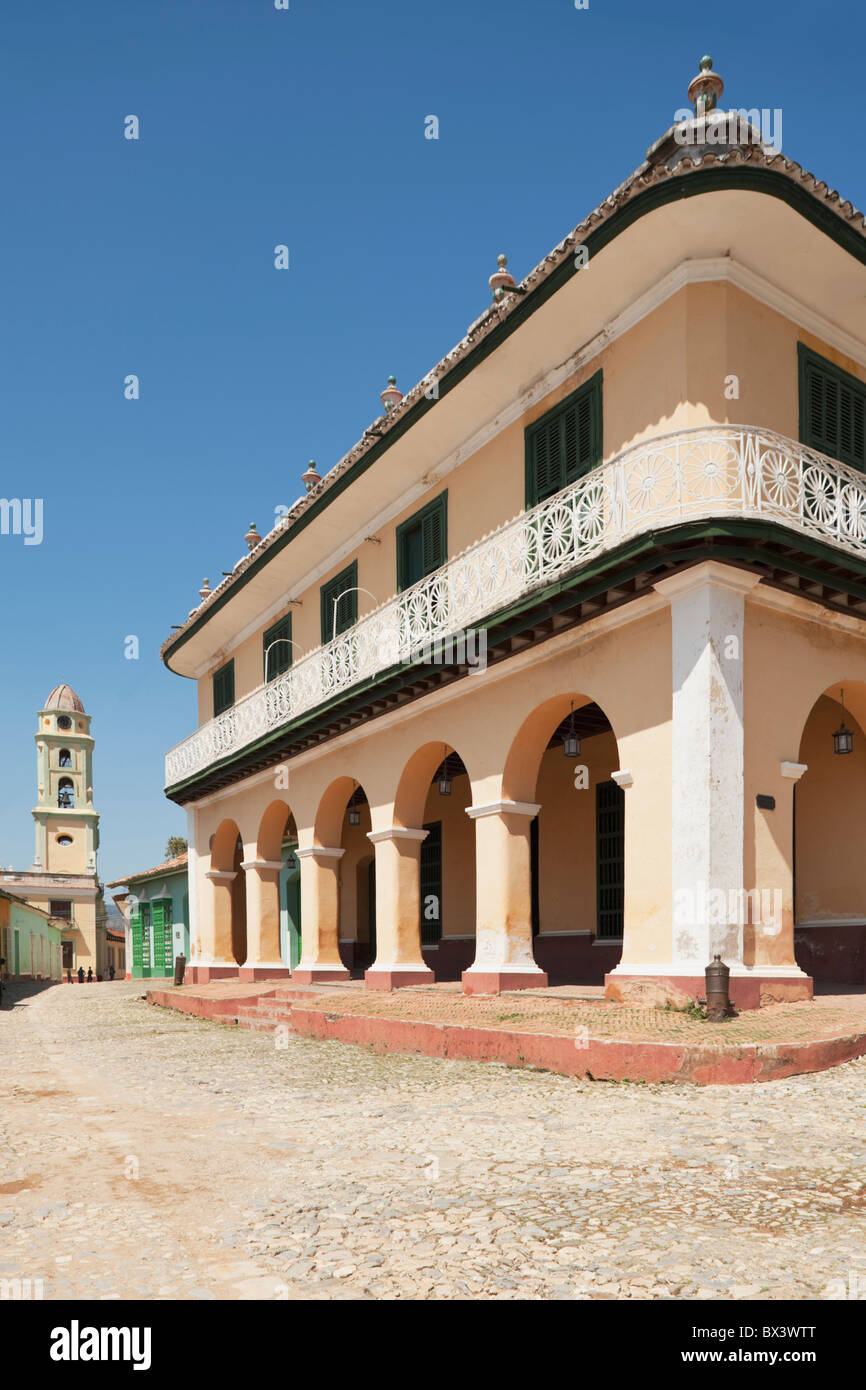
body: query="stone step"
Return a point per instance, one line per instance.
(257, 1025)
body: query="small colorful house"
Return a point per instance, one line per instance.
(155, 906)
(29, 941)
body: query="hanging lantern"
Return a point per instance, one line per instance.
(354, 811)
(571, 742)
(843, 739)
(444, 779)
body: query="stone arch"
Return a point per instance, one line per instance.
(829, 809)
(577, 837)
(227, 854)
(275, 822)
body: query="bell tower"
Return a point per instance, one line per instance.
(67, 827)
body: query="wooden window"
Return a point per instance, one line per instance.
(422, 542)
(224, 688)
(163, 954)
(565, 443)
(344, 588)
(277, 648)
(431, 885)
(60, 909)
(832, 409)
(610, 844)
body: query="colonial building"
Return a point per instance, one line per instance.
(63, 879)
(155, 906)
(545, 678)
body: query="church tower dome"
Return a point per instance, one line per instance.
(64, 697)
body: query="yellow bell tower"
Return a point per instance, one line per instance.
(67, 826)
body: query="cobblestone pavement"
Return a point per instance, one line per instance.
(149, 1154)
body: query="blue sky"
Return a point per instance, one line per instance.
(155, 257)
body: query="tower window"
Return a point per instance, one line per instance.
(64, 839)
(64, 722)
(61, 909)
(65, 757)
(65, 792)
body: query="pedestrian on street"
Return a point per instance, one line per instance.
(81, 974)
(90, 975)
(111, 972)
(69, 977)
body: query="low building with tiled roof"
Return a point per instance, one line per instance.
(154, 904)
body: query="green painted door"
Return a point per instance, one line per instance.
(293, 916)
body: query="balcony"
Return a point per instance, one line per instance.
(690, 476)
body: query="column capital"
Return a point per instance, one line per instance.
(220, 875)
(261, 863)
(396, 832)
(709, 573)
(504, 808)
(320, 852)
(623, 778)
(793, 771)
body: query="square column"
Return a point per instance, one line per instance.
(399, 961)
(320, 898)
(263, 960)
(707, 605)
(215, 960)
(503, 876)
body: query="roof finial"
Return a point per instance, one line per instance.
(501, 279)
(252, 537)
(391, 396)
(706, 88)
(311, 476)
(204, 591)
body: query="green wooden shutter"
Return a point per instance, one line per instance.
(610, 847)
(565, 443)
(431, 885)
(277, 648)
(344, 588)
(145, 940)
(832, 409)
(224, 688)
(135, 929)
(158, 932)
(422, 542)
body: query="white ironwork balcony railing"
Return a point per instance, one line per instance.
(704, 473)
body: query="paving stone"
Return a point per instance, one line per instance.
(308, 1171)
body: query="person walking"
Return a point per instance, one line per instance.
(81, 974)
(111, 972)
(90, 975)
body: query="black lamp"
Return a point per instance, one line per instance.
(355, 811)
(571, 742)
(444, 779)
(843, 739)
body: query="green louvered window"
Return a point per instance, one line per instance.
(135, 930)
(344, 588)
(832, 409)
(277, 648)
(422, 542)
(565, 443)
(145, 939)
(431, 885)
(224, 688)
(610, 860)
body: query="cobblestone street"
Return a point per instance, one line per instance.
(148, 1154)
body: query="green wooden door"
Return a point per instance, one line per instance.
(293, 918)
(137, 960)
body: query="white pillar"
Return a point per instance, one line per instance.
(707, 625)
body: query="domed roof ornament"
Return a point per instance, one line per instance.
(391, 396)
(205, 590)
(252, 537)
(312, 476)
(501, 280)
(706, 88)
(64, 697)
